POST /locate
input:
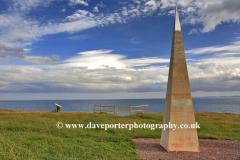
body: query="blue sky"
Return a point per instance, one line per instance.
(85, 49)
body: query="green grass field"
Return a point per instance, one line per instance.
(34, 135)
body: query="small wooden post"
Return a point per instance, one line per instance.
(100, 108)
(142, 108)
(116, 110)
(58, 109)
(130, 109)
(145, 109)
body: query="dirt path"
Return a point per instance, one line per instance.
(150, 149)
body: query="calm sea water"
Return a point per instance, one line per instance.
(220, 105)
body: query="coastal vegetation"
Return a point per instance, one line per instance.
(34, 135)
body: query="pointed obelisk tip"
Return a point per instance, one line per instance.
(177, 26)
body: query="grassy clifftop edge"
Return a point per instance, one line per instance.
(34, 135)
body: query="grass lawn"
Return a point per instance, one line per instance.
(34, 135)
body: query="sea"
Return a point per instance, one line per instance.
(219, 105)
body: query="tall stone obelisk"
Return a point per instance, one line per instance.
(178, 104)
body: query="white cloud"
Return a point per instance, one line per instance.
(216, 73)
(26, 5)
(79, 14)
(219, 12)
(91, 71)
(95, 9)
(211, 13)
(26, 50)
(63, 10)
(145, 61)
(75, 2)
(233, 48)
(100, 4)
(151, 6)
(18, 30)
(103, 58)
(192, 31)
(103, 71)
(96, 59)
(80, 37)
(71, 26)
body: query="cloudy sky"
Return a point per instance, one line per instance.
(94, 49)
